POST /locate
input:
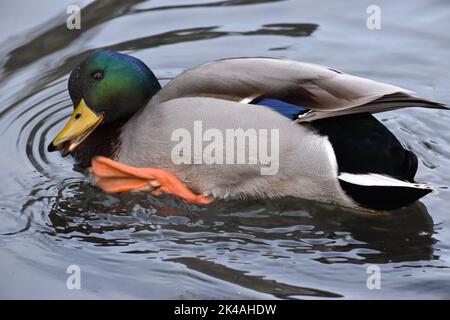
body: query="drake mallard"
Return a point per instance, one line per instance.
(330, 147)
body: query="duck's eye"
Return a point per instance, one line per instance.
(98, 75)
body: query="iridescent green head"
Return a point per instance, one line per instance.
(112, 83)
(105, 87)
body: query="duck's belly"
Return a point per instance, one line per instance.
(231, 149)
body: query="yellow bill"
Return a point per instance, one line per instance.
(81, 124)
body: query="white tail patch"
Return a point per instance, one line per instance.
(374, 179)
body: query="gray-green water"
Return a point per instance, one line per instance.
(135, 246)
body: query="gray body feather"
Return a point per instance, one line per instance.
(307, 168)
(214, 93)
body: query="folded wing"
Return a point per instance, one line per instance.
(324, 92)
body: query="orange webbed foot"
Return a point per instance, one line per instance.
(113, 176)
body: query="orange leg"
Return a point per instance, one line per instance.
(113, 176)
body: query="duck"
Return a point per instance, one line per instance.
(297, 130)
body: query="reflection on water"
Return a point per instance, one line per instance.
(76, 209)
(132, 245)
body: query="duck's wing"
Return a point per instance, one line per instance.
(323, 91)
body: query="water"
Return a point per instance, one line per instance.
(136, 246)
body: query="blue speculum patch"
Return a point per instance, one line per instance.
(288, 110)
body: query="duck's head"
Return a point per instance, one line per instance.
(106, 88)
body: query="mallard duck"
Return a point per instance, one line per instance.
(329, 147)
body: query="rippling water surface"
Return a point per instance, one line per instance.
(136, 246)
